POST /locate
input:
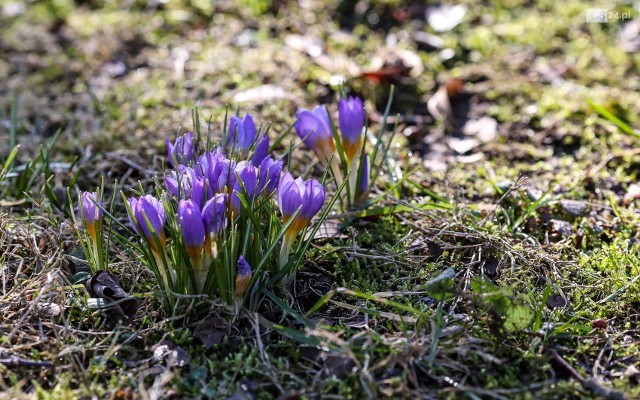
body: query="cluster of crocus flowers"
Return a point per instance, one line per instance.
(218, 213)
(316, 131)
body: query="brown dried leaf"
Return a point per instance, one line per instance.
(105, 285)
(211, 331)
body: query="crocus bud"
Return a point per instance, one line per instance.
(179, 182)
(227, 178)
(243, 278)
(261, 149)
(190, 222)
(201, 191)
(211, 165)
(214, 214)
(314, 128)
(242, 133)
(182, 151)
(246, 174)
(294, 194)
(91, 214)
(351, 119)
(149, 217)
(269, 174)
(312, 199)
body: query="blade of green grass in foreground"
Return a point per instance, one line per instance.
(608, 115)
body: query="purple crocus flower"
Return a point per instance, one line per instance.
(211, 166)
(201, 191)
(242, 132)
(243, 278)
(289, 198)
(261, 149)
(314, 128)
(214, 214)
(227, 178)
(188, 185)
(180, 182)
(91, 214)
(312, 199)
(269, 174)
(148, 215)
(190, 221)
(247, 176)
(351, 118)
(182, 150)
(294, 194)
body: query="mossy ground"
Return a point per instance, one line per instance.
(116, 78)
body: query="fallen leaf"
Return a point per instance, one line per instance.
(560, 229)
(211, 331)
(462, 146)
(260, 94)
(427, 41)
(574, 207)
(491, 267)
(600, 324)
(484, 129)
(105, 285)
(173, 356)
(49, 310)
(329, 229)
(470, 159)
(308, 44)
(11, 203)
(384, 74)
(337, 365)
(445, 17)
(556, 301)
(439, 105)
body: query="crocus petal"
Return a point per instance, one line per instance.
(182, 150)
(242, 132)
(314, 128)
(309, 128)
(314, 199)
(153, 209)
(261, 149)
(351, 119)
(214, 214)
(269, 174)
(90, 211)
(190, 221)
(243, 278)
(247, 176)
(289, 198)
(244, 269)
(321, 113)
